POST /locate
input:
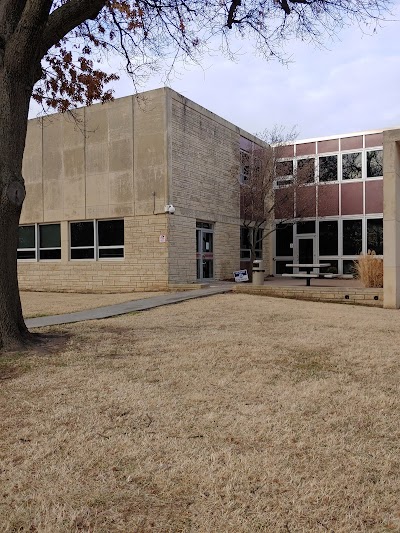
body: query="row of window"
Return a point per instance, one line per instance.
(328, 236)
(91, 239)
(326, 168)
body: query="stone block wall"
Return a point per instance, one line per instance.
(204, 186)
(144, 267)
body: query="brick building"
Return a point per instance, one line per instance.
(339, 208)
(98, 183)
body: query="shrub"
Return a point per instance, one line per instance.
(369, 269)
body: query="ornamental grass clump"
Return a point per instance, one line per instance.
(369, 269)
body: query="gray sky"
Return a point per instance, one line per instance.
(351, 85)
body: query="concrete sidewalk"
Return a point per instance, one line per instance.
(126, 307)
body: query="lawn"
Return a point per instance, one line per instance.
(55, 303)
(233, 413)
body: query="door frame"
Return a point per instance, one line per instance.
(200, 253)
(304, 236)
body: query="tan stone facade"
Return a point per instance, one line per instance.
(126, 160)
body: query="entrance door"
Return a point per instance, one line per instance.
(306, 250)
(205, 250)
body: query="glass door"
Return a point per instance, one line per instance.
(205, 250)
(306, 250)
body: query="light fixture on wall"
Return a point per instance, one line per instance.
(169, 208)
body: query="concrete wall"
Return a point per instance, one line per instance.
(391, 218)
(145, 266)
(102, 161)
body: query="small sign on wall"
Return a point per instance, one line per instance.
(240, 275)
(162, 238)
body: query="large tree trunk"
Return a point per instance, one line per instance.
(14, 106)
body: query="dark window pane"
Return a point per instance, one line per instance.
(375, 235)
(245, 254)
(328, 168)
(352, 237)
(205, 225)
(82, 253)
(26, 254)
(306, 170)
(306, 227)
(333, 269)
(26, 237)
(351, 166)
(284, 168)
(245, 242)
(259, 239)
(49, 236)
(375, 164)
(349, 267)
(50, 254)
(284, 238)
(281, 267)
(111, 232)
(244, 166)
(105, 253)
(328, 237)
(82, 234)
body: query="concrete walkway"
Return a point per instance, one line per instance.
(126, 307)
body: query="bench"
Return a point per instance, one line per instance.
(301, 275)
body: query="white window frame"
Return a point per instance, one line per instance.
(37, 247)
(339, 167)
(363, 165)
(286, 180)
(96, 247)
(302, 158)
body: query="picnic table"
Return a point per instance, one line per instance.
(306, 274)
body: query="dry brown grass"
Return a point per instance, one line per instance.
(235, 413)
(56, 303)
(369, 269)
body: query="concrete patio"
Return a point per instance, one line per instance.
(348, 291)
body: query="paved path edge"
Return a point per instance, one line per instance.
(123, 308)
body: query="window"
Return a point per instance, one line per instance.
(352, 237)
(307, 226)
(102, 239)
(328, 237)
(284, 169)
(111, 238)
(375, 235)
(375, 164)
(284, 240)
(39, 241)
(349, 267)
(281, 267)
(246, 236)
(26, 242)
(352, 166)
(82, 240)
(328, 168)
(306, 170)
(49, 241)
(244, 166)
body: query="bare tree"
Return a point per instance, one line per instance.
(269, 184)
(52, 50)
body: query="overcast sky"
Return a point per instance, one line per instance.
(352, 85)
